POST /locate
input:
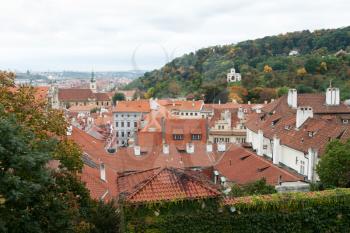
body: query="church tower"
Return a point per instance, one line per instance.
(93, 82)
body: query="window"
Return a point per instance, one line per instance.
(135, 124)
(186, 113)
(302, 167)
(182, 114)
(196, 114)
(296, 160)
(128, 124)
(117, 134)
(128, 133)
(196, 137)
(178, 136)
(122, 134)
(191, 113)
(227, 140)
(117, 124)
(122, 123)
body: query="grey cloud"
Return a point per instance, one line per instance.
(47, 34)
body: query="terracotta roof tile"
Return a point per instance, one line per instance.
(74, 94)
(163, 184)
(133, 106)
(242, 166)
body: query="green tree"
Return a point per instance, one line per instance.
(118, 96)
(334, 166)
(33, 202)
(282, 91)
(259, 187)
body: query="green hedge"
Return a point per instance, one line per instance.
(327, 211)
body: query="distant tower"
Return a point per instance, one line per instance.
(93, 82)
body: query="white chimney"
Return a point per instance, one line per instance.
(276, 150)
(221, 147)
(260, 146)
(189, 148)
(216, 175)
(137, 150)
(102, 172)
(292, 98)
(240, 113)
(165, 149)
(332, 96)
(69, 130)
(303, 113)
(209, 147)
(312, 155)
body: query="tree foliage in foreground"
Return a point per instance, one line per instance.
(259, 187)
(334, 166)
(34, 197)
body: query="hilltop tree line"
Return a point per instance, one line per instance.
(265, 64)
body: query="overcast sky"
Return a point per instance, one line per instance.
(139, 34)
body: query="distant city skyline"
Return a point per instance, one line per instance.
(109, 35)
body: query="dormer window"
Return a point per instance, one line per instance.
(178, 137)
(311, 133)
(196, 137)
(287, 127)
(345, 121)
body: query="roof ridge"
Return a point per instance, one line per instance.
(147, 181)
(137, 172)
(197, 180)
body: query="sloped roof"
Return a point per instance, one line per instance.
(315, 100)
(324, 130)
(75, 94)
(99, 189)
(242, 166)
(182, 105)
(133, 106)
(163, 184)
(102, 97)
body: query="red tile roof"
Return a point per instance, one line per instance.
(182, 105)
(133, 106)
(80, 94)
(185, 127)
(72, 94)
(315, 100)
(242, 166)
(299, 139)
(102, 97)
(125, 160)
(163, 184)
(99, 189)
